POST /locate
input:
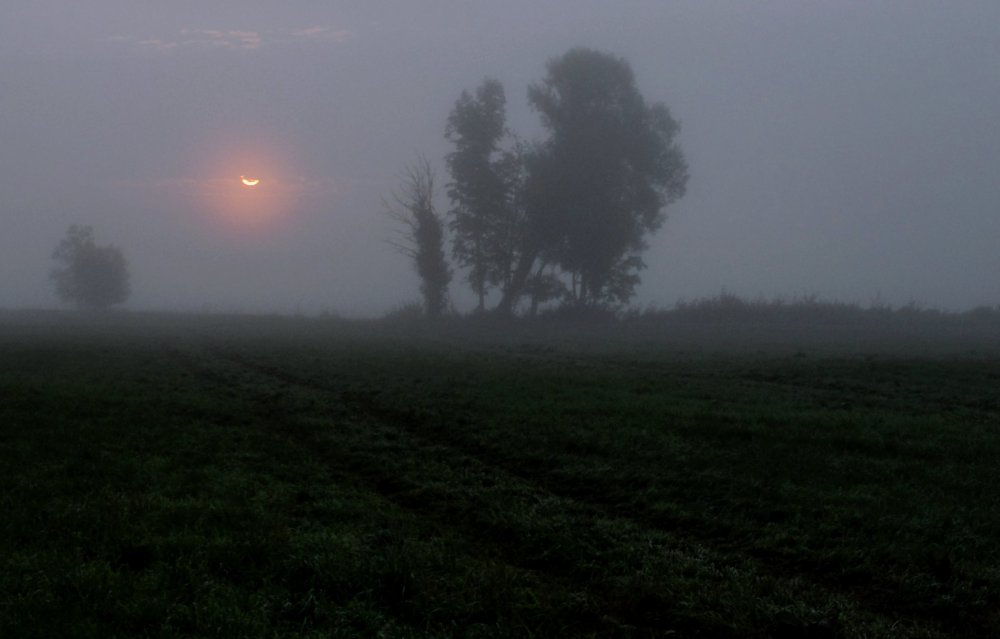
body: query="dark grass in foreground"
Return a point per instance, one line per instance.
(233, 477)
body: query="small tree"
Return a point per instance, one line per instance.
(422, 235)
(90, 276)
(486, 217)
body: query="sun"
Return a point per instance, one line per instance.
(249, 181)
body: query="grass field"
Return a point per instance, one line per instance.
(261, 477)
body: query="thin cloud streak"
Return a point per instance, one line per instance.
(238, 39)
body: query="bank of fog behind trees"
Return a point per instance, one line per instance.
(563, 219)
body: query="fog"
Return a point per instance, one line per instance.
(849, 150)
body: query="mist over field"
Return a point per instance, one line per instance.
(457, 318)
(847, 150)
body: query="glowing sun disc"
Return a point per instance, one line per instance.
(249, 181)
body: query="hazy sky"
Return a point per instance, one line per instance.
(849, 149)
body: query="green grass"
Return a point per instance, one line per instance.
(254, 477)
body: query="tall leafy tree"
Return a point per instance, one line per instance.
(421, 236)
(88, 275)
(486, 212)
(601, 180)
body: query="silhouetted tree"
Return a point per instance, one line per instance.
(599, 183)
(486, 214)
(90, 276)
(422, 235)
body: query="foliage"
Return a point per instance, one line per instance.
(486, 215)
(404, 313)
(808, 310)
(604, 175)
(581, 201)
(544, 286)
(422, 237)
(91, 276)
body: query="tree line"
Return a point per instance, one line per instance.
(562, 219)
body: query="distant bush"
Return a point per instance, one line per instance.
(729, 308)
(409, 312)
(807, 313)
(983, 314)
(586, 314)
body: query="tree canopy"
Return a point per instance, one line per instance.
(486, 214)
(90, 276)
(602, 178)
(567, 216)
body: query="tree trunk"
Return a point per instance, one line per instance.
(517, 282)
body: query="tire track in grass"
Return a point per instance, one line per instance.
(452, 450)
(362, 466)
(880, 597)
(724, 550)
(971, 616)
(415, 426)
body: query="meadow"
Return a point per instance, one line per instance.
(196, 476)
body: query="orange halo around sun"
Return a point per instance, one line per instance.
(247, 186)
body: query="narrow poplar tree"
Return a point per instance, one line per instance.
(421, 236)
